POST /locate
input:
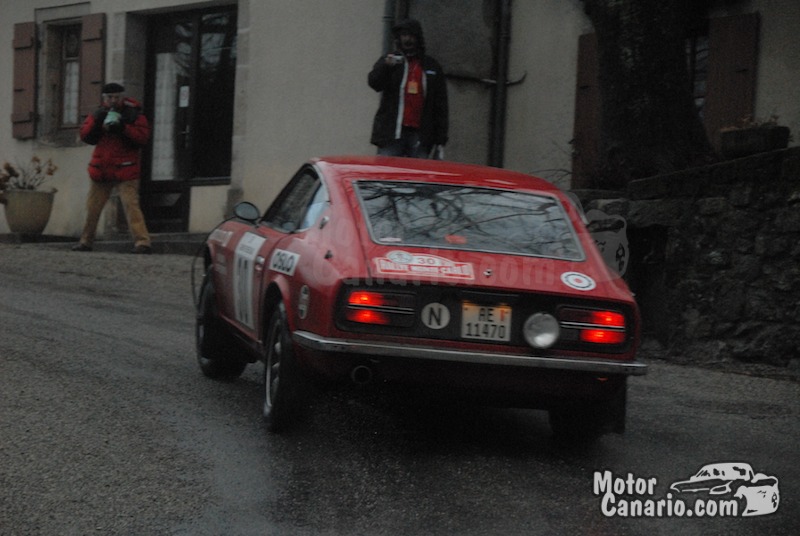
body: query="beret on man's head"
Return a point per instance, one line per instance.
(113, 87)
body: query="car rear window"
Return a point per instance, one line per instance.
(467, 218)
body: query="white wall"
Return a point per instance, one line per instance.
(71, 179)
(301, 91)
(544, 46)
(777, 91)
(306, 87)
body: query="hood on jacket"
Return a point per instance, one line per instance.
(413, 27)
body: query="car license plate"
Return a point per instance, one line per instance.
(486, 323)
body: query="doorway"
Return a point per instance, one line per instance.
(191, 70)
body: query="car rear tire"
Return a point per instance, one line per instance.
(215, 347)
(283, 382)
(575, 425)
(585, 422)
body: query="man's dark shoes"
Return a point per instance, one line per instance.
(81, 247)
(142, 250)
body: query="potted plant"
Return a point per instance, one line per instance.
(752, 136)
(27, 207)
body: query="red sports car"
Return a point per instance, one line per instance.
(470, 281)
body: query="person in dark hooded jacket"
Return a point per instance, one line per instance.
(118, 130)
(412, 118)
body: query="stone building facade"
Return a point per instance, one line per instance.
(715, 257)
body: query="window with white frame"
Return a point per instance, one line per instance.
(58, 73)
(70, 75)
(60, 84)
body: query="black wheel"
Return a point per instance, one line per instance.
(216, 351)
(283, 383)
(575, 425)
(585, 422)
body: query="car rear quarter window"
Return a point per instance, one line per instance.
(468, 218)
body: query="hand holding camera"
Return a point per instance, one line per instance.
(113, 121)
(394, 59)
(112, 118)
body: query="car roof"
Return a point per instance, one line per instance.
(422, 170)
(728, 467)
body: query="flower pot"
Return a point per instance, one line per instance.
(28, 211)
(746, 141)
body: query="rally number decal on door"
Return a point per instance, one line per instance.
(283, 261)
(244, 260)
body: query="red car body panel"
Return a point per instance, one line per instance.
(253, 264)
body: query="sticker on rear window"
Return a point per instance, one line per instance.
(578, 281)
(404, 263)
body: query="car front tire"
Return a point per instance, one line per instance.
(283, 382)
(215, 347)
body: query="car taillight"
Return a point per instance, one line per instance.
(368, 316)
(595, 326)
(368, 298)
(380, 308)
(602, 336)
(590, 316)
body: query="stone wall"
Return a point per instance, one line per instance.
(715, 257)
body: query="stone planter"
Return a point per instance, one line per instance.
(28, 211)
(736, 143)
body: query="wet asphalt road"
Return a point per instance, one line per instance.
(107, 427)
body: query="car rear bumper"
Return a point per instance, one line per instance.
(317, 343)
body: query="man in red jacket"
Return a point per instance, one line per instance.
(118, 130)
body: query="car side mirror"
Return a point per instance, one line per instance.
(246, 211)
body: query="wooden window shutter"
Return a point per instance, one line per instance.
(586, 126)
(23, 116)
(92, 62)
(732, 60)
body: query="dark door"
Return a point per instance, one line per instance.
(191, 73)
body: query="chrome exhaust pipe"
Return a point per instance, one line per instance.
(361, 375)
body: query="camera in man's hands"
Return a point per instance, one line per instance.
(112, 118)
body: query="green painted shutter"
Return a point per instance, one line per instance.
(23, 115)
(732, 60)
(92, 62)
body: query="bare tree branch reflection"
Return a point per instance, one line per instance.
(480, 219)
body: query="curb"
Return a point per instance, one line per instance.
(163, 244)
